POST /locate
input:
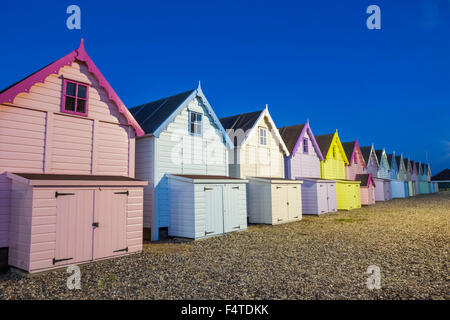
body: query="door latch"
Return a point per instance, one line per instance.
(95, 224)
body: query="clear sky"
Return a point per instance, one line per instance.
(313, 59)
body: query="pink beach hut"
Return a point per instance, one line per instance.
(67, 188)
(303, 163)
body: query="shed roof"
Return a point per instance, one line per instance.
(68, 177)
(152, 114)
(365, 179)
(444, 175)
(205, 177)
(291, 135)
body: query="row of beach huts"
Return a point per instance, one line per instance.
(83, 178)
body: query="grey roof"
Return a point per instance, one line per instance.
(244, 121)
(379, 153)
(444, 175)
(366, 153)
(151, 115)
(348, 148)
(324, 142)
(290, 135)
(364, 178)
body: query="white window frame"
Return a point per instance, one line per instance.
(262, 136)
(198, 124)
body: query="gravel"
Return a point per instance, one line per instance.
(317, 258)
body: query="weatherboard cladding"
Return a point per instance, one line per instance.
(383, 168)
(355, 158)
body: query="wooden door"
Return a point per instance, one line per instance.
(322, 198)
(294, 202)
(232, 218)
(279, 203)
(110, 225)
(74, 216)
(331, 197)
(214, 216)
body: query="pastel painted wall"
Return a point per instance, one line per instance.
(356, 164)
(304, 165)
(333, 167)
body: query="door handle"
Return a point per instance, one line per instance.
(95, 224)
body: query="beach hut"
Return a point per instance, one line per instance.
(409, 171)
(185, 151)
(303, 163)
(382, 186)
(415, 185)
(442, 180)
(259, 157)
(382, 182)
(424, 186)
(431, 185)
(357, 167)
(402, 173)
(398, 189)
(333, 168)
(367, 188)
(67, 188)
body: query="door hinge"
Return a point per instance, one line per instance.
(280, 219)
(235, 188)
(57, 194)
(278, 187)
(287, 203)
(124, 192)
(206, 232)
(296, 217)
(121, 250)
(238, 227)
(60, 260)
(205, 188)
(95, 224)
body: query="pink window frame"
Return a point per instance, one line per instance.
(305, 146)
(63, 106)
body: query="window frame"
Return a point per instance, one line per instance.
(86, 100)
(305, 145)
(262, 129)
(190, 122)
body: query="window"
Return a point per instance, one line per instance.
(355, 159)
(334, 152)
(75, 98)
(305, 145)
(195, 123)
(263, 136)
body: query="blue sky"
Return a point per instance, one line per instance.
(305, 59)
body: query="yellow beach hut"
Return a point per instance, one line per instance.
(333, 167)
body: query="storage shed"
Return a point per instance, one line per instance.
(67, 188)
(274, 200)
(303, 163)
(367, 188)
(382, 182)
(203, 206)
(259, 157)
(183, 136)
(442, 180)
(333, 168)
(398, 189)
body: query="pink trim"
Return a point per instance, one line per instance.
(63, 106)
(352, 159)
(81, 55)
(313, 139)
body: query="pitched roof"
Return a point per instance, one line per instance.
(366, 153)
(444, 175)
(348, 148)
(291, 135)
(365, 179)
(244, 121)
(8, 95)
(324, 142)
(152, 114)
(379, 153)
(398, 159)
(389, 157)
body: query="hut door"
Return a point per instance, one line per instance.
(110, 223)
(280, 203)
(214, 215)
(322, 198)
(294, 202)
(74, 215)
(231, 211)
(331, 197)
